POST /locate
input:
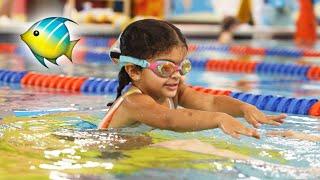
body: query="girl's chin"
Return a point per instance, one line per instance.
(170, 94)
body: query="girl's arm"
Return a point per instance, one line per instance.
(190, 98)
(144, 109)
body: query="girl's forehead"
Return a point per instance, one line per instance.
(176, 54)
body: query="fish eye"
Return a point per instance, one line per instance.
(36, 33)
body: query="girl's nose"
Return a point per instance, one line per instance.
(176, 75)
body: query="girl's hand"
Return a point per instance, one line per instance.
(255, 117)
(234, 128)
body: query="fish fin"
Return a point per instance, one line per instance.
(60, 19)
(53, 61)
(63, 19)
(40, 59)
(70, 48)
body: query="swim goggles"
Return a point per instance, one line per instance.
(163, 68)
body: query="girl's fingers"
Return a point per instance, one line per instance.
(252, 121)
(256, 135)
(279, 118)
(231, 132)
(275, 123)
(275, 120)
(235, 135)
(244, 131)
(249, 132)
(272, 122)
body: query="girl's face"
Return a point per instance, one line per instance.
(159, 87)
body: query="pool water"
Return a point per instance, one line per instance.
(46, 134)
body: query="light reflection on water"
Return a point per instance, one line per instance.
(73, 133)
(74, 119)
(56, 132)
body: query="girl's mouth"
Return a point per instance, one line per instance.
(171, 86)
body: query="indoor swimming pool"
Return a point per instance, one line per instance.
(51, 134)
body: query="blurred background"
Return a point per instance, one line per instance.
(253, 23)
(278, 17)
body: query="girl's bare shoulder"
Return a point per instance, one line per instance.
(138, 100)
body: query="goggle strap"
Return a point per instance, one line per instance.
(124, 60)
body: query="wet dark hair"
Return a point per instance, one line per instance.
(145, 39)
(228, 22)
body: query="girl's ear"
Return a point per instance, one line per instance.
(133, 71)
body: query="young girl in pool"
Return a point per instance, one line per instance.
(152, 57)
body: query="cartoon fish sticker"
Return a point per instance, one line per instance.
(49, 39)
